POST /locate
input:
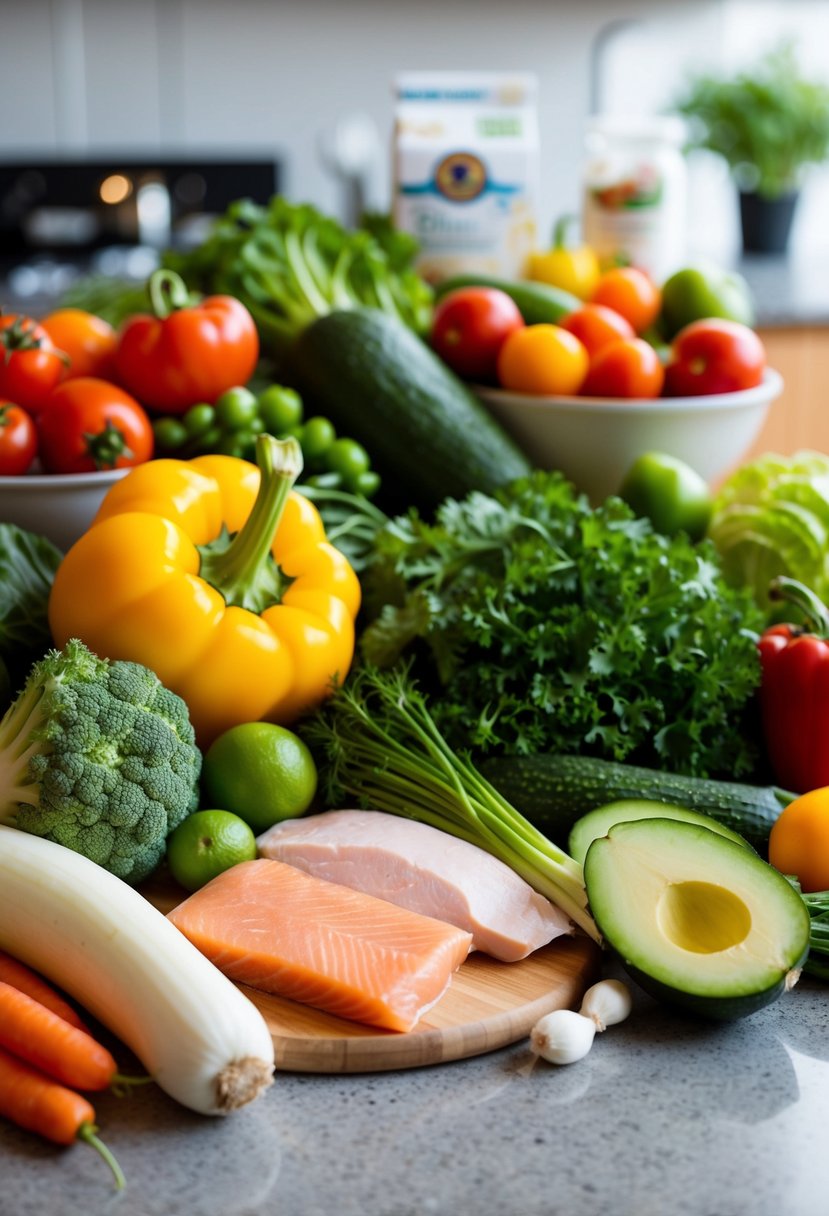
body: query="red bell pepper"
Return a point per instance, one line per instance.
(794, 691)
(188, 350)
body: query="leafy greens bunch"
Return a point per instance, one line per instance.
(28, 563)
(537, 623)
(289, 264)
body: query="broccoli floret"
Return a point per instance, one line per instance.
(99, 756)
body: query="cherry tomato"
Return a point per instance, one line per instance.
(542, 359)
(714, 356)
(627, 368)
(87, 341)
(629, 291)
(596, 325)
(18, 440)
(469, 328)
(30, 366)
(90, 424)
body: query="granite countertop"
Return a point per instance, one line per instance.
(788, 291)
(666, 1116)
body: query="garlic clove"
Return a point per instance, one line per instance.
(562, 1037)
(606, 1003)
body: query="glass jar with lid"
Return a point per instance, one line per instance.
(634, 197)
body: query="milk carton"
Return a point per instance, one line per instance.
(466, 170)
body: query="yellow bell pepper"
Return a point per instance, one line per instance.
(574, 269)
(218, 576)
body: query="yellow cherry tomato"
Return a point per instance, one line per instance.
(799, 840)
(544, 360)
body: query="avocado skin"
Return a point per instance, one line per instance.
(713, 1008)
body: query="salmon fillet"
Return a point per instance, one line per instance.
(425, 870)
(272, 926)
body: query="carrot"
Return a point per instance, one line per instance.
(33, 1033)
(13, 972)
(58, 1114)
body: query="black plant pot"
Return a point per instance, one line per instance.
(767, 222)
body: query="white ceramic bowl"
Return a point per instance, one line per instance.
(58, 505)
(594, 441)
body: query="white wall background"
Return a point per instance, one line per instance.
(273, 77)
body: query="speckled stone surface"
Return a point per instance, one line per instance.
(788, 291)
(665, 1117)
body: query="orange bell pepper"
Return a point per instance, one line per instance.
(218, 576)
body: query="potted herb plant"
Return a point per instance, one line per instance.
(768, 122)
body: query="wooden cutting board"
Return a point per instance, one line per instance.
(488, 1005)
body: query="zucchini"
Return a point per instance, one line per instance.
(428, 435)
(553, 791)
(538, 303)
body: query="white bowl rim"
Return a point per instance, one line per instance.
(63, 480)
(770, 388)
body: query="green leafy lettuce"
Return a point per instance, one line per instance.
(290, 264)
(771, 518)
(540, 624)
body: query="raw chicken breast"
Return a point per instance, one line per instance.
(280, 930)
(424, 869)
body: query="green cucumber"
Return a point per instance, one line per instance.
(428, 435)
(538, 303)
(599, 822)
(554, 791)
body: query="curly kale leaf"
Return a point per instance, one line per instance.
(544, 625)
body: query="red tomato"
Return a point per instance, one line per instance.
(185, 353)
(469, 328)
(30, 367)
(714, 356)
(632, 293)
(544, 360)
(87, 341)
(596, 325)
(18, 440)
(90, 424)
(627, 368)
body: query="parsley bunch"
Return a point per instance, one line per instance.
(540, 624)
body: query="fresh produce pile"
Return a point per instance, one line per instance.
(330, 580)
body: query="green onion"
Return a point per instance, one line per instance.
(382, 748)
(817, 964)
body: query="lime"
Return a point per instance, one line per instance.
(205, 844)
(262, 772)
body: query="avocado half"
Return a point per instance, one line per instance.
(696, 919)
(599, 821)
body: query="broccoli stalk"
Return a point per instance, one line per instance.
(99, 756)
